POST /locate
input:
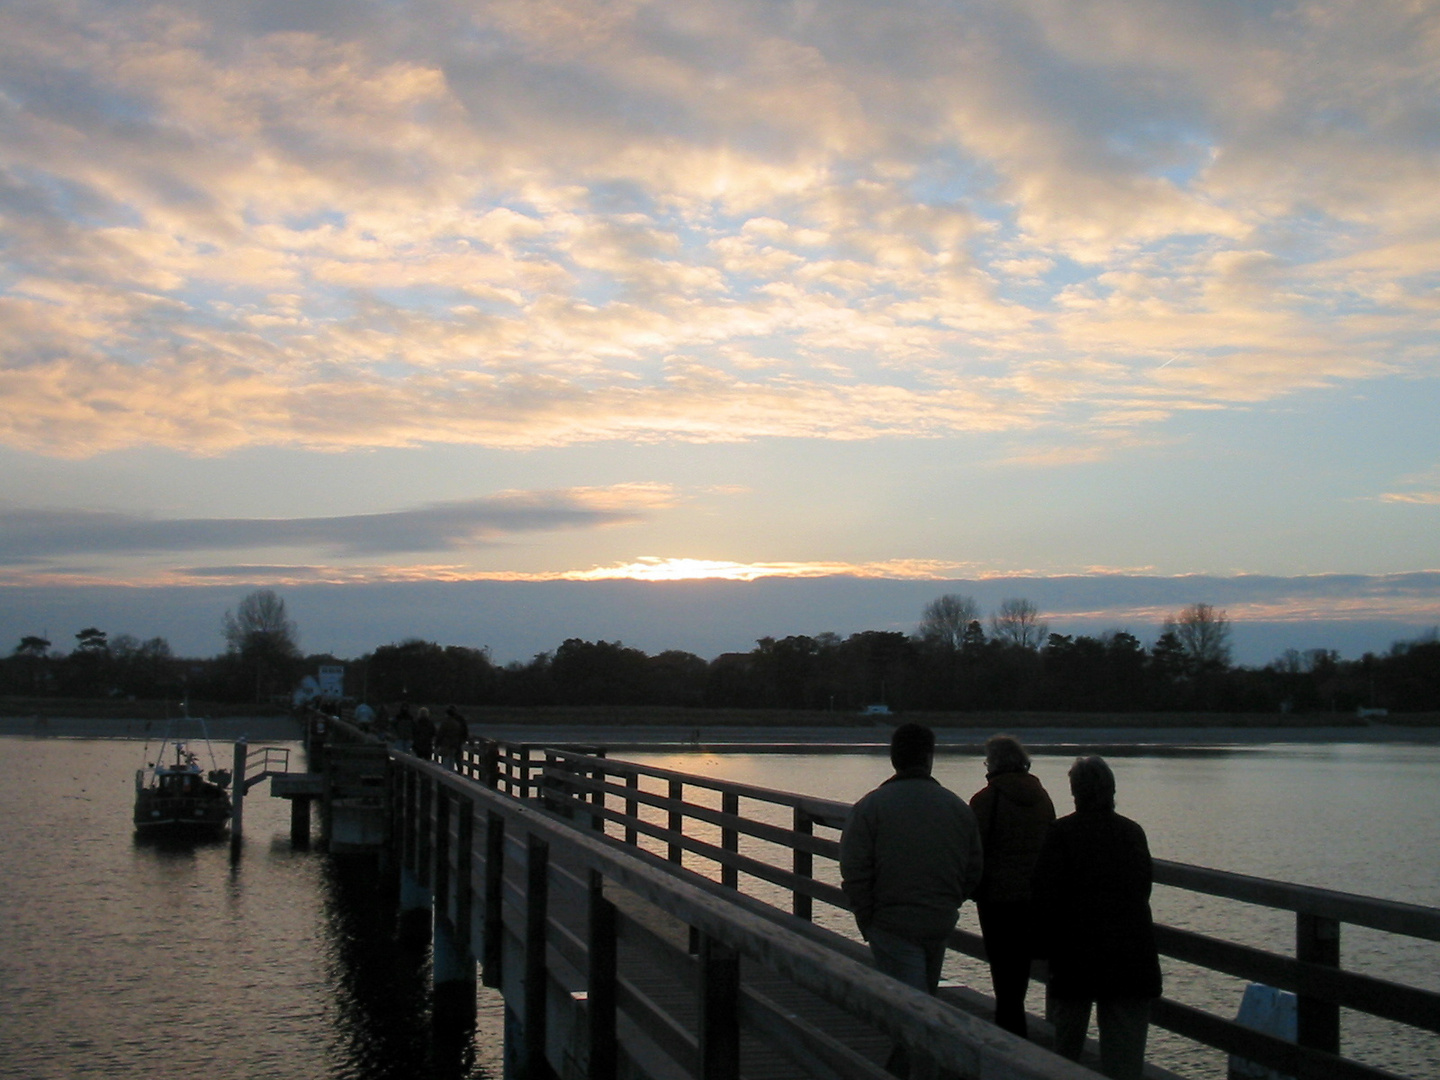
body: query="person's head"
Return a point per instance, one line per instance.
(912, 747)
(424, 713)
(1092, 784)
(1003, 753)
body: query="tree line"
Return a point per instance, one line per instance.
(955, 660)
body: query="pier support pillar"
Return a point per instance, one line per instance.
(452, 993)
(451, 961)
(237, 788)
(415, 916)
(300, 822)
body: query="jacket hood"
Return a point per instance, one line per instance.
(1021, 787)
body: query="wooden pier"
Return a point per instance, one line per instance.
(648, 923)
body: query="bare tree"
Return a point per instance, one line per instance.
(1018, 622)
(1204, 635)
(945, 618)
(260, 624)
(264, 640)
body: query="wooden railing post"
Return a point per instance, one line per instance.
(491, 972)
(409, 848)
(600, 990)
(804, 866)
(719, 1010)
(424, 841)
(464, 868)
(632, 808)
(1317, 1023)
(563, 803)
(676, 821)
(537, 976)
(597, 797)
(442, 852)
(525, 771)
(490, 763)
(730, 840)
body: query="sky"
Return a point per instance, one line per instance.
(556, 294)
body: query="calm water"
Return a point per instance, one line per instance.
(120, 959)
(126, 959)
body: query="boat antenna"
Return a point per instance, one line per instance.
(209, 747)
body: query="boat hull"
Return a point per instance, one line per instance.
(190, 816)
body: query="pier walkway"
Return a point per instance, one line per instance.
(648, 923)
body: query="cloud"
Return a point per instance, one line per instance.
(534, 224)
(29, 536)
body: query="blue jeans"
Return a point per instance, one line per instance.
(914, 962)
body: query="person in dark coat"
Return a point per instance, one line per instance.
(1092, 893)
(451, 736)
(1014, 812)
(404, 727)
(424, 734)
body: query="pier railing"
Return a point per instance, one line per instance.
(697, 822)
(613, 965)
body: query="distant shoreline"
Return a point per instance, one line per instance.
(776, 738)
(220, 729)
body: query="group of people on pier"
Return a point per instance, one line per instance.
(417, 733)
(1073, 892)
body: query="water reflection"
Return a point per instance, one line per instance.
(388, 1022)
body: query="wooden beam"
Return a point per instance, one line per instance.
(719, 1010)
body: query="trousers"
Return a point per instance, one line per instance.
(1007, 932)
(1124, 1024)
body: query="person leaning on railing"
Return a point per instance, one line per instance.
(1092, 896)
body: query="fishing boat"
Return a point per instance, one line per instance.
(176, 797)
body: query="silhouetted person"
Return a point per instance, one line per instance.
(1014, 813)
(451, 736)
(404, 727)
(364, 716)
(424, 734)
(1092, 891)
(909, 857)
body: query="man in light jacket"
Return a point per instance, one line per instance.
(909, 857)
